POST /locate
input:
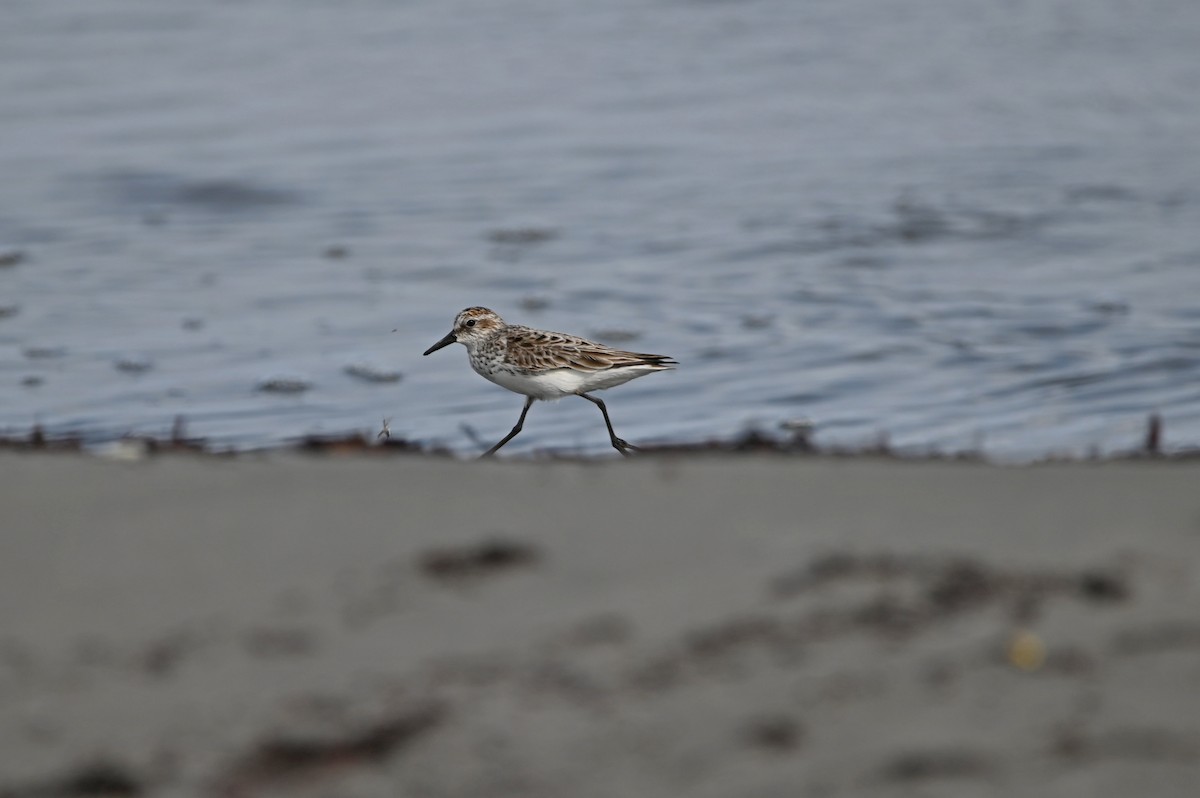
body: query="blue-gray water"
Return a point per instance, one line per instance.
(962, 224)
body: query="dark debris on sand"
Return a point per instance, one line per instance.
(473, 561)
(286, 757)
(98, 779)
(356, 443)
(38, 440)
(949, 586)
(908, 596)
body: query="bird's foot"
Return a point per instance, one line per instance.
(624, 447)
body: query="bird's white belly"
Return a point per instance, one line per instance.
(549, 385)
(546, 385)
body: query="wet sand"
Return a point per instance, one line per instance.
(732, 626)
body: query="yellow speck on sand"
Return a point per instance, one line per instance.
(1026, 650)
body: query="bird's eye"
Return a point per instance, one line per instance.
(470, 322)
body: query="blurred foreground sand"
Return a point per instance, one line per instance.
(735, 626)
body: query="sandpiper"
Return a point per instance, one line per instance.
(545, 365)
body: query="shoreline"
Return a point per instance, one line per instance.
(795, 439)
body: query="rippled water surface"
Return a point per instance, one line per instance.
(962, 224)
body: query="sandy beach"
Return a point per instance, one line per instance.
(728, 626)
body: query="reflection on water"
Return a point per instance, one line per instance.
(985, 237)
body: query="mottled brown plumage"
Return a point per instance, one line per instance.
(539, 350)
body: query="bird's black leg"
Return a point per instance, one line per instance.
(621, 446)
(513, 432)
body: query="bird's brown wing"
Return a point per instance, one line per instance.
(538, 350)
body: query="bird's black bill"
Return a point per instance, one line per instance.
(449, 339)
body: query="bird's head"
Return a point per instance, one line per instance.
(470, 327)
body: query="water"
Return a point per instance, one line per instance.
(962, 224)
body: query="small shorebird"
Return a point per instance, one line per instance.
(545, 365)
